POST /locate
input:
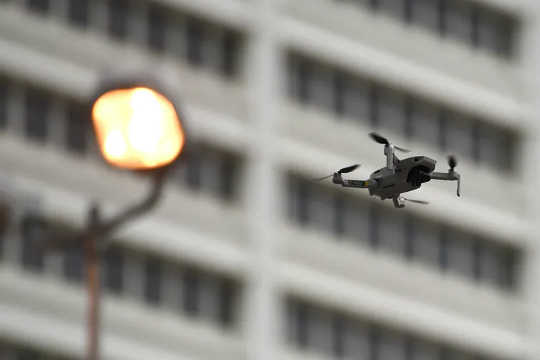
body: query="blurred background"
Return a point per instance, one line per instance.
(246, 257)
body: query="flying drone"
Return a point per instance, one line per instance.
(398, 176)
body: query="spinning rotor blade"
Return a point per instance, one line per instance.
(422, 202)
(322, 178)
(349, 169)
(345, 170)
(382, 140)
(378, 138)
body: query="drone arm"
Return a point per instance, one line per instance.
(337, 179)
(451, 175)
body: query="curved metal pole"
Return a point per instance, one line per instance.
(97, 231)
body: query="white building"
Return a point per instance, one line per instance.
(245, 258)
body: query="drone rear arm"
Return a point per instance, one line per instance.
(337, 179)
(451, 175)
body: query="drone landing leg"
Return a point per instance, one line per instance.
(397, 203)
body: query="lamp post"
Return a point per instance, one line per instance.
(137, 128)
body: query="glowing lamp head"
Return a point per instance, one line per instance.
(137, 128)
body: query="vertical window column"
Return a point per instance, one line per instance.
(37, 107)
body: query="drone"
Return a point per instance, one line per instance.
(398, 176)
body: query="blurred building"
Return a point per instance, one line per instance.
(246, 258)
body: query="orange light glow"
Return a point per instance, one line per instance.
(137, 128)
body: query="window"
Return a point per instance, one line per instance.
(190, 292)
(391, 110)
(426, 242)
(34, 236)
(356, 99)
(459, 135)
(356, 221)
(157, 28)
(461, 255)
(113, 261)
(153, 281)
(38, 6)
(392, 232)
(118, 19)
(427, 13)
(194, 42)
(77, 128)
(37, 109)
(78, 12)
(73, 264)
(320, 87)
(313, 328)
(230, 44)
(395, 8)
(226, 294)
(228, 178)
(459, 20)
(425, 123)
(4, 102)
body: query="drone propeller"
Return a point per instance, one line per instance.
(384, 141)
(452, 162)
(422, 202)
(344, 170)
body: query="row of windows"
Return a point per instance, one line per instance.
(160, 28)
(150, 278)
(465, 21)
(49, 118)
(401, 234)
(10, 351)
(378, 106)
(316, 329)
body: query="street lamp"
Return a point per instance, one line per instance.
(137, 128)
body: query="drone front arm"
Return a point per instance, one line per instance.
(337, 179)
(451, 175)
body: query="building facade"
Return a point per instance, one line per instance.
(246, 257)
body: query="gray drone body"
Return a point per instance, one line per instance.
(399, 176)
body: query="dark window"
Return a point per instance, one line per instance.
(118, 18)
(5, 219)
(153, 279)
(230, 53)
(391, 110)
(37, 109)
(461, 255)
(227, 294)
(113, 268)
(395, 8)
(157, 28)
(426, 13)
(302, 76)
(228, 177)
(73, 264)
(191, 292)
(424, 122)
(34, 235)
(509, 268)
(338, 335)
(78, 12)
(194, 42)
(356, 98)
(77, 128)
(193, 169)
(39, 6)
(459, 21)
(4, 102)
(27, 355)
(301, 325)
